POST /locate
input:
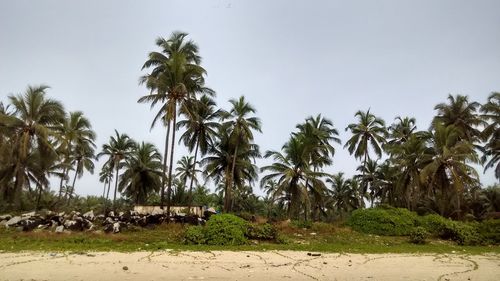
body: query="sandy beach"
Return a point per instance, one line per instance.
(226, 265)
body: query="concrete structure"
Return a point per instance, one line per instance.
(174, 210)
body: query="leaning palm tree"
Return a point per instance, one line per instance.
(175, 78)
(369, 132)
(142, 174)
(118, 148)
(34, 117)
(241, 126)
(83, 159)
(491, 133)
(106, 177)
(201, 129)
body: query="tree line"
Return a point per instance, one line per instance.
(427, 170)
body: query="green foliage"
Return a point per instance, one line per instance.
(262, 232)
(418, 235)
(302, 224)
(490, 231)
(226, 229)
(195, 235)
(391, 221)
(460, 232)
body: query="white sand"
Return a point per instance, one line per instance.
(270, 265)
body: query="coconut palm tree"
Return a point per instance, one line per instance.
(201, 129)
(186, 169)
(142, 174)
(448, 173)
(401, 131)
(175, 78)
(491, 133)
(220, 168)
(241, 126)
(292, 171)
(344, 195)
(34, 117)
(83, 159)
(462, 114)
(117, 150)
(369, 132)
(106, 177)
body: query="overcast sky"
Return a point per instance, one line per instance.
(291, 59)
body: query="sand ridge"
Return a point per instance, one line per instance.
(243, 265)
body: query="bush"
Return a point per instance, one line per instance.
(490, 231)
(301, 224)
(225, 229)
(195, 235)
(383, 221)
(418, 235)
(460, 232)
(262, 232)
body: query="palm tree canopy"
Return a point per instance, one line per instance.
(369, 131)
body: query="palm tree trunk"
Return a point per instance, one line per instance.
(38, 198)
(164, 173)
(116, 187)
(74, 180)
(227, 188)
(106, 199)
(365, 188)
(231, 182)
(169, 189)
(61, 182)
(193, 175)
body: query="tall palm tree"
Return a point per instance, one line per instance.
(491, 133)
(462, 114)
(449, 172)
(83, 159)
(175, 78)
(118, 148)
(220, 168)
(369, 132)
(201, 129)
(34, 117)
(142, 174)
(186, 169)
(106, 177)
(241, 126)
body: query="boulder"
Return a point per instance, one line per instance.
(13, 221)
(60, 229)
(28, 215)
(116, 227)
(73, 225)
(5, 217)
(89, 215)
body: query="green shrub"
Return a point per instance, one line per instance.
(195, 235)
(225, 229)
(301, 224)
(383, 221)
(418, 235)
(490, 231)
(460, 232)
(261, 232)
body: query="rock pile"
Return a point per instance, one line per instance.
(75, 221)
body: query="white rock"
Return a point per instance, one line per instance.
(30, 214)
(89, 215)
(13, 221)
(116, 227)
(60, 229)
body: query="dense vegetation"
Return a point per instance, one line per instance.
(427, 171)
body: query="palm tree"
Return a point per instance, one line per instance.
(292, 171)
(241, 125)
(106, 177)
(186, 169)
(462, 114)
(175, 78)
(83, 159)
(345, 197)
(118, 148)
(34, 117)
(201, 129)
(401, 131)
(449, 172)
(491, 133)
(142, 173)
(369, 131)
(219, 164)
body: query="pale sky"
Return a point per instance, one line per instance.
(291, 59)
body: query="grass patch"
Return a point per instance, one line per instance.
(320, 238)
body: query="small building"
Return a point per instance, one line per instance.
(174, 210)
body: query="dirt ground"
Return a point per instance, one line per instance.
(226, 265)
